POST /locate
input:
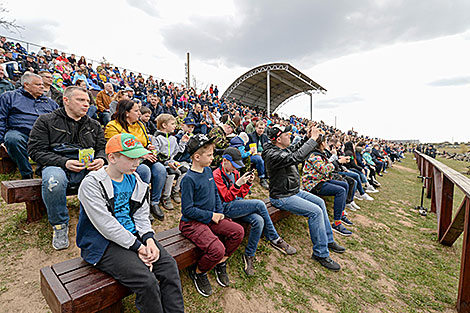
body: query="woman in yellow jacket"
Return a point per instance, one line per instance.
(126, 120)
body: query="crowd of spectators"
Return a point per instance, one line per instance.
(51, 116)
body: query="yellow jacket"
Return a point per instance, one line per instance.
(137, 129)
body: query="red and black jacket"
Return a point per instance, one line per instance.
(229, 191)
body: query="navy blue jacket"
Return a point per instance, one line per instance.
(19, 110)
(254, 137)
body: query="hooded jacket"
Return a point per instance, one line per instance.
(168, 144)
(281, 166)
(97, 226)
(53, 129)
(229, 191)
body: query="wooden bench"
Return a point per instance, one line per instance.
(76, 286)
(7, 165)
(29, 192)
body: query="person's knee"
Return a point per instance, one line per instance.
(216, 251)
(54, 178)
(15, 139)
(149, 281)
(257, 222)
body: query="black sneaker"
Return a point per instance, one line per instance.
(340, 229)
(264, 183)
(249, 269)
(156, 211)
(346, 221)
(221, 274)
(327, 263)
(203, 286)
(333, 246)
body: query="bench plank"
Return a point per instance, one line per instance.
(54, 292)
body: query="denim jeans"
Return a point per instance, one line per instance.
(256, 214)
(258, 161)
(154, 175)
(361, 175)
(54, 194)
(105, 117)
(357, 178)
(92, 111)
(17, 146)
(338, 189)
(313, 207)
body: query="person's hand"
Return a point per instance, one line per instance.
(253, 150)
(150, 157)
(153, 252)
(144, 257)
(333, 151)
(172, 165)
(95, 165)
(343, 159)
(243, 179)
(217, 217)
(251, 178)
(314, 132)
(75, 165)
(151, 147)
(185, 138)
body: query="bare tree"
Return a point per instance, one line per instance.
(9, 25)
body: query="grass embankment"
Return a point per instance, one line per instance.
(393, 262)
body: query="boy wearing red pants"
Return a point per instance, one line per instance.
(202, 221)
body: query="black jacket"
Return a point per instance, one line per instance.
(254, 138)
(281, 166)
(55, 128)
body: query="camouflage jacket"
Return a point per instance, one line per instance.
(221, 143)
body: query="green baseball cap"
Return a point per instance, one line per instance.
(126, 144)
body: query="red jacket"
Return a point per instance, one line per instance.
(228, 191)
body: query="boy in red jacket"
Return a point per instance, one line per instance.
(232, 189)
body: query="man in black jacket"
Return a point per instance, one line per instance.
(256, 141)
(282, 161)
(54, 144)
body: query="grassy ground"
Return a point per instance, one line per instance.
(393, 262)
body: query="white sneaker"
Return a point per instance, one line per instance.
(358, 197)
(371, 189)
(365, 196)
(355, 205)
(349, 206)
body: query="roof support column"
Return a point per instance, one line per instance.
(268, 88)
(311, 106)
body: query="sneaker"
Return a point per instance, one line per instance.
(365, 196)
(385, 171)
(221, 274)
(203, 286)
(355, 205)
(60, 237)
(333, 246)
(176, 196)
(346, 220)
(155, 210)
(358, 196)
(283, 246)
(249, 269)
(349, 206)
(376, 182)
(340, 229)
(167, 204)
(264, 183)
(327, 262)
(371, 189)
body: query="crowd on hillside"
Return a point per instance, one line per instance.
(148, 146)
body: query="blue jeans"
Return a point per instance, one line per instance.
(338, 189)
(313, 207)
(17, 146)
(154, 175)
(357, 178)
(92, 111)
(258, 161)
(54, 194)
(256, 214)
(105, 117)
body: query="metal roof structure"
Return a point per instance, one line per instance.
(270, 85)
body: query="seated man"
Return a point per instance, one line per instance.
(232, 189)
(103, 100)
(19, 109)
(282, 159)
(54, 145)
(257, 139)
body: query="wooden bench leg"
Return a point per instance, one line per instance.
(7, 165)
(35, 210)
(114, 308)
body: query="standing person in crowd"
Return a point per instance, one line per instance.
(258, 139)
(115, 234)
(49, 90)
(5, 84)
(232, 189)
(19, 109)
(318, 179)
(203, 221)
(54, 145)
(151, 171)
(103, 100)
(282, 159)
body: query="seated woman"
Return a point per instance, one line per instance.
(126, 120)
(318, 179)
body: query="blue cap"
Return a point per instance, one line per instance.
(189, 121)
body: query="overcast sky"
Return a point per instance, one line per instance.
(393, 68)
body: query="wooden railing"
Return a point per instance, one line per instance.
(440, 188)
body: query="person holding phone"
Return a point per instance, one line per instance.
(232, 189)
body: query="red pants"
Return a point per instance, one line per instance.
(215, 240)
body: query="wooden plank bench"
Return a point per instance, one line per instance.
(76, 286)
(7, 165)
(29, 192)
